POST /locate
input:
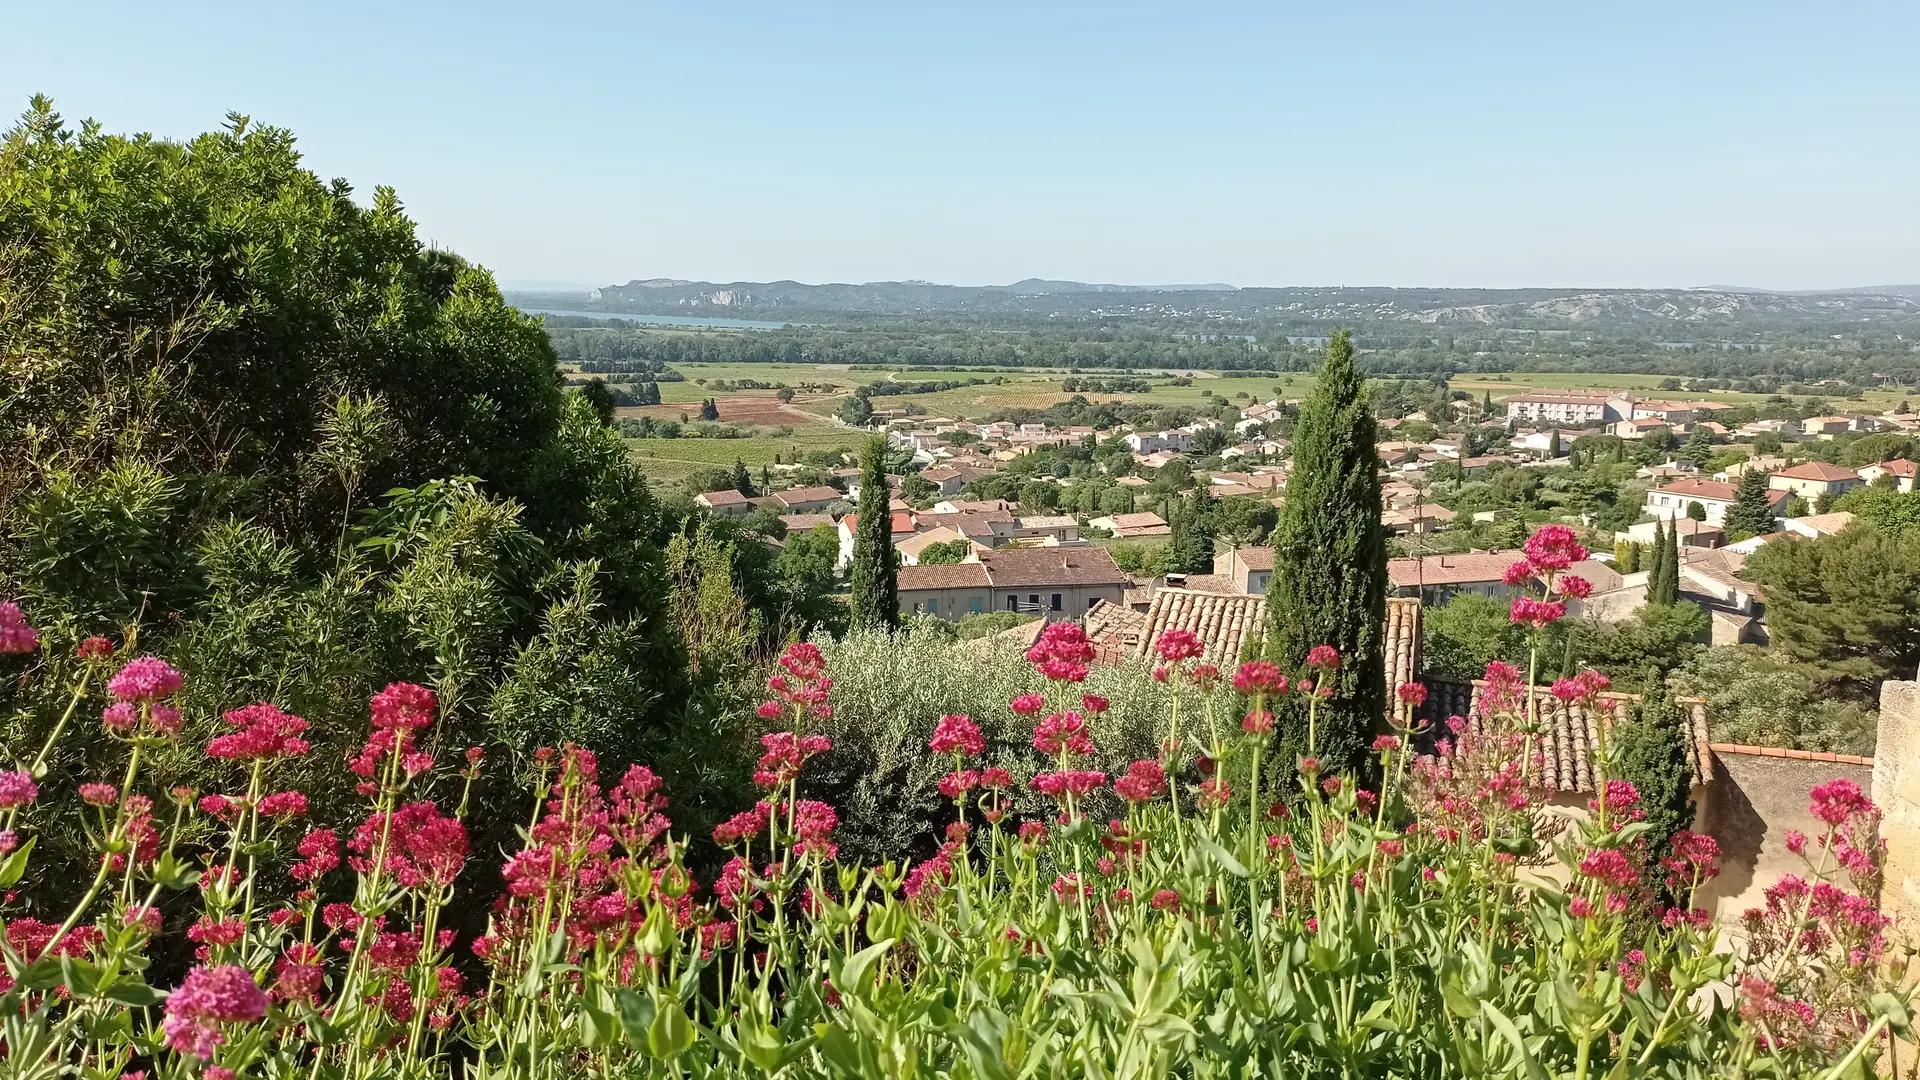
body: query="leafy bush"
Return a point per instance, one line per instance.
(1761, 698)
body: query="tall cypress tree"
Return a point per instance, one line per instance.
(874, 585)
(1655, 552)
(1329, 563)
(1670, 567)
(1652, 755)
(1750, 513)
(1189, 549)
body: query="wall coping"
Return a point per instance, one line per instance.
(1798, 755)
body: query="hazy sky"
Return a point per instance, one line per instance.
(1269, 143)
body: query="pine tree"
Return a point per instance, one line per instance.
(872, 580)
(1329, 568)
(1652, 756)
(1699, 447)
(742, 479)
(1190, 549)
(1750, 513)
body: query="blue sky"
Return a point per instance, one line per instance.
(1625, 144)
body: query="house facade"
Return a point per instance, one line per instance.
(1054, 583)
(1812, 479)
(1714, 497)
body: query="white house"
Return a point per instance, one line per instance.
(1903, 472)
(1714, 497)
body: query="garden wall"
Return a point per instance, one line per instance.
(1758, 795)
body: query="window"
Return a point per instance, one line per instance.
(1056, 602)
(1033, 601)
(1092, 600)
(1013, 602)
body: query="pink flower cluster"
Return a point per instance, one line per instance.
(1144, 780)
(1259, 677)
(1062, 653)
(17, 789)
(957, 734)
(210, 996)
(1584, 688)
(785, 754)
(1549, 551)
(265, 733)
(1068, 783)
(138, 690)
(1062, 733)
(803, 691)
(399, 712)
(15, 635)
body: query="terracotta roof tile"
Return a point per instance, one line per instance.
(949, 576)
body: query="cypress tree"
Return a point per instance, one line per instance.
(1190, 549)
(1553, 446)
(873, 583)
(742, 479)
(1329, 564)
(1670, 567)
(1652, 755)
(1655, 552)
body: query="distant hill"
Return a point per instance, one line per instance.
(1654, 315)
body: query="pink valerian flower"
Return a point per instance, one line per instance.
(996, 779)
(1062, 652)
(1838, 800)
(1539, 614)
(1323, 658)
(121, 716)
(1383, 744)
(1622, 798)
(1165, 900)
(1094, 704)
(1411, 693)
(283, 804)
(957, 734)
(211, 931)
(298, 975)
(1632, 969)
(219, 807)
(1553, 548)
(93, 648)
(265, 733)
(925, 879)
(422, 847)
(17, 789)
(211, 996)
(955, 784)
(1257, 722)
(1574, 586)
(1259, 677)
(99, 794)
(1033, 835)
(1505, 692)
(1585, 687)
(1204, 676)
(1695, 859)
(1518, 573)
(1610, 866)
(814, 822)
(15, 635)
(785, 756)
(1176, 645)
(741, 827)
(1027, 704)
(404, 706)
(319, 852)
(1068, 782)
(144, 678)
(1062, 733)
(1214, 794)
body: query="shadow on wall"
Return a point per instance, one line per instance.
(1741, 831)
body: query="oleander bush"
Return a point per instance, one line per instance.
(1175, 917)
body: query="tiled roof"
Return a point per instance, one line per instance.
(1570, 734)
(1136, 521)
(727, 497)
(1225, 622)
(950, 576)
(1116, 627)
(1818, 470)
(799, 523)
(1708, 490)
(1401, 642)
(819, 493)
(1255, 558)
(1020, 568)
(1451, 569)
(1900, 467)
(1213, 583)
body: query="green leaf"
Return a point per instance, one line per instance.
(1219, 854)
(852, 978)
(16, 864)
(1512, 1035)
(636, 1015)
(135, 993)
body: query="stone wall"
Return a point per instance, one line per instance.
(1757, 796)
(1896, 789)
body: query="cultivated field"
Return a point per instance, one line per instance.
(670, 460)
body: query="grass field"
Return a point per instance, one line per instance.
(1506, 384)
(668, 461)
